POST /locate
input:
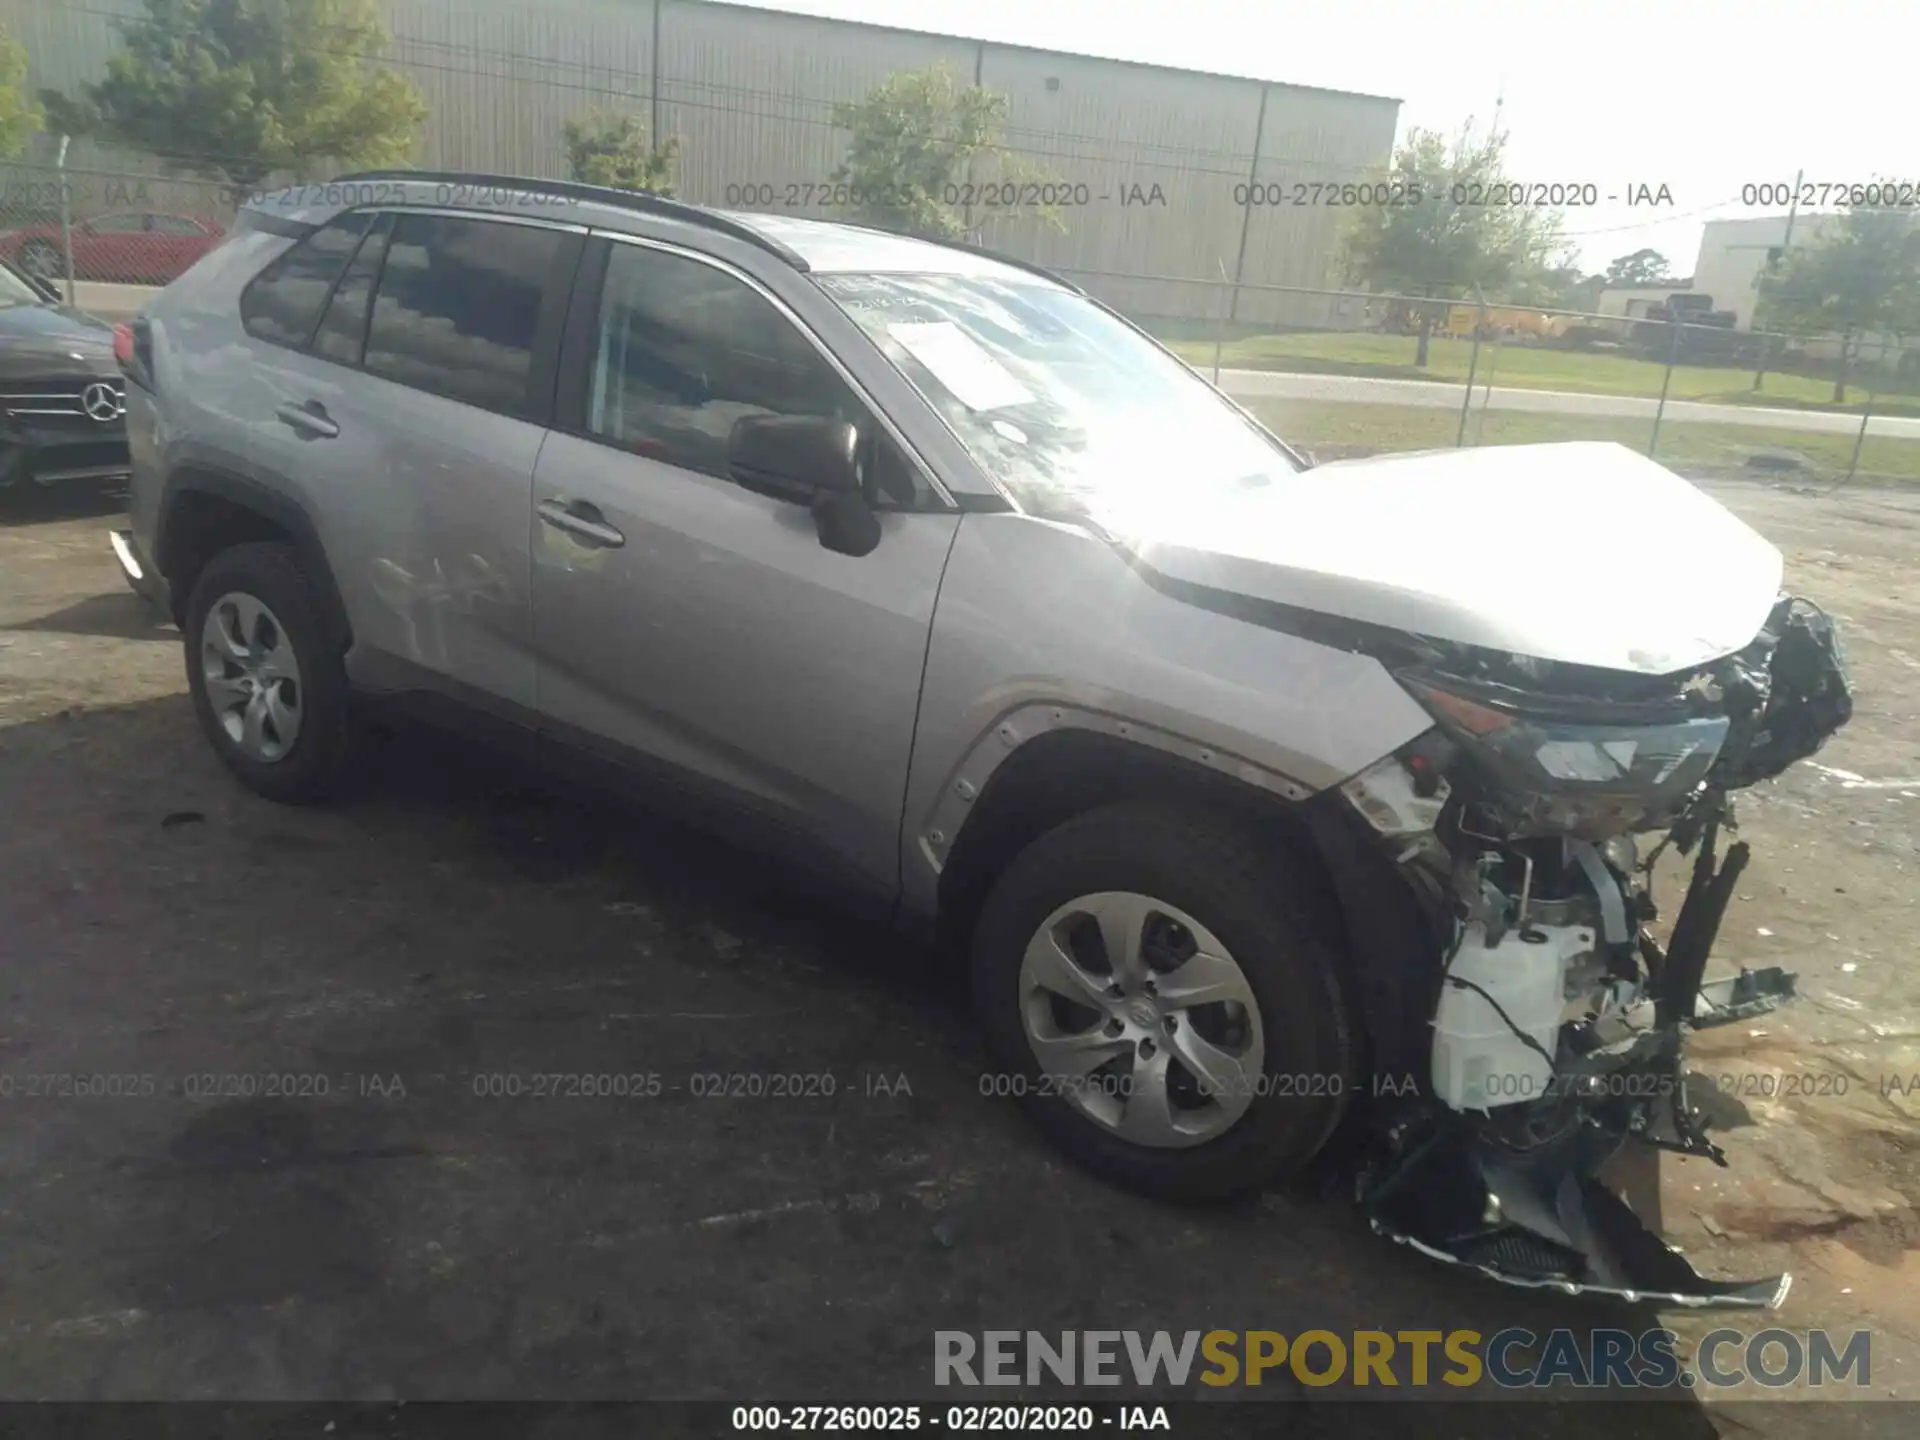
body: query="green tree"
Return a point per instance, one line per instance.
(1861, 276)
(919, 138)
(1458, 236)
(1642, 267)
(1558, 284)
(19, 115)
(245, 89)
(604, 148)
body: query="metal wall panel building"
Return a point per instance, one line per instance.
(750, 94)
(1307, 138)
(1159, 152)
(1155, 160)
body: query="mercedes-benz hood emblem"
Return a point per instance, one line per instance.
(102, 402)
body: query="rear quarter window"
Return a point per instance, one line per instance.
(282, 303)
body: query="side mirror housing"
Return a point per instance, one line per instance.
(794, 457)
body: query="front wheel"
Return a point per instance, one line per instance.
(1158, 995)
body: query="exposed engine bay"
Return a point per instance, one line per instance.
(1546, 1019)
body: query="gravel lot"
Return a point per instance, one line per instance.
(403, 1235)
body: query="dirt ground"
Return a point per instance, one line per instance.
(408, 1235)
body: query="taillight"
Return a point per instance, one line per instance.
(133, 351)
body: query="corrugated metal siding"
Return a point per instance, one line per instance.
(750, 93)
(1158, 153)
(501, 80)
(64, 47)
(1308, 137)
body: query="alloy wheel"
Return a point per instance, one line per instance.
(42, 262)
(1139, 1017)
(252, 676)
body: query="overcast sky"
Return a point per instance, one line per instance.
(1702, 95)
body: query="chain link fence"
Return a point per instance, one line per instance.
(1343, 373)
(1347, 373)
(77, 227)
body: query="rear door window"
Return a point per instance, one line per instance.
(458, 308)
(282, 303)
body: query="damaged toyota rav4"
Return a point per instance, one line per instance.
(1268, 803)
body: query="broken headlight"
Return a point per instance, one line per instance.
(1549, 770)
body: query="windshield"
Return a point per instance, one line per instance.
(1056, 399)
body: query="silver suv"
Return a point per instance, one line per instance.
(1265, 801)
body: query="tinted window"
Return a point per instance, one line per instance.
(283, 301)
(343, 329)
(117, 224)
(173, 225)
(458, 305)
(683, 350)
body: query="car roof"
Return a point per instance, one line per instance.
(834, 246)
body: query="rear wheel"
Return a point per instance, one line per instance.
(41, 260)
(1160, 999)
(270, 692)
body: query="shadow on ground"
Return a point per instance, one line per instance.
(121, 617)
(29, 504)
(432, 1094)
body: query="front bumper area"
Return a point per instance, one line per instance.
(1522, 852)
(1539, 1216)
(1578, 1238)
(54, 457)
(1517, 1194)
(1520, 1199)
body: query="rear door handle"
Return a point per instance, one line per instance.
(577, 517)
(310, 419)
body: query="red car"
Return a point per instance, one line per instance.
(132, 247)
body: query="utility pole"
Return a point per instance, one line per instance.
(1793, 208)
(66, 221)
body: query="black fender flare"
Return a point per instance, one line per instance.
(277, 508)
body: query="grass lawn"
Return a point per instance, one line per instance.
(1338, 429)
(1390, 357)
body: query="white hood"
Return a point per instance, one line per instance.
(1586, 553)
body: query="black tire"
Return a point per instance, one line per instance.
(1251, 896)
(42, 260)
(320, 760)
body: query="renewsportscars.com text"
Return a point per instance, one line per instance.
(1510, 1359)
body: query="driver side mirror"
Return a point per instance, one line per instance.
(792, 457)
(810, 461)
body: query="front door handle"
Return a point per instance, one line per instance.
(310, 419)
(577, 517)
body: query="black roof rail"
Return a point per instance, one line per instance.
(599, 195)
